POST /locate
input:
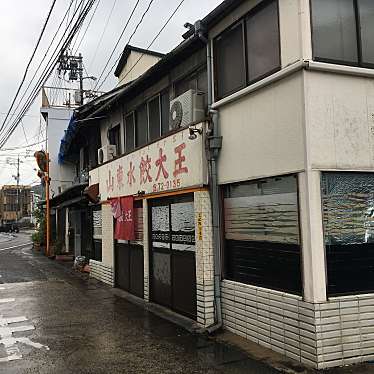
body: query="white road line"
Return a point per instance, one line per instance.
(10, 342)
(2, 288)
(6, 300)
(16, 246)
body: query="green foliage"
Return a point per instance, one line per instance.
(39, 236)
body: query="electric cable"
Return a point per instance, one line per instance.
(118, 41)
(88, 25)
(102, 35)
(153, 40)
(29, 62)
(42, 59)
(47, 71)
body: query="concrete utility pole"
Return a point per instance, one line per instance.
(17, 177)
(74, 65)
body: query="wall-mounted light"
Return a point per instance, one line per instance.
(193, 131)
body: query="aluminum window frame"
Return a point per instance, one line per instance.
(242, 21)
(360, 62)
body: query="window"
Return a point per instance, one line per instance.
(248, 51)
(262, 241)
(154, 118)
(348, 220)
(115, 138)
(343, 31)
(165, 109)
(141, 132)
(230, 64)
(263, 42)
(130, 132)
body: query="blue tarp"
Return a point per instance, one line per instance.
(68, 138)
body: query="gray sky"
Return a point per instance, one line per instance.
(20, 25)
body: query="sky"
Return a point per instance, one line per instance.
(20, 26)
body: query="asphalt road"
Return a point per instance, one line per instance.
(53, 321)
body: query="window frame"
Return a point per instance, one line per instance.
(360, 62)
(157, 96)
(242, 22)
(112, 128)
(133, 114)
(225, 250)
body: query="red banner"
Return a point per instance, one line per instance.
(123, 212)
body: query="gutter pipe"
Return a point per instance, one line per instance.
(213, 147)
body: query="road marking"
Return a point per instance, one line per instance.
(16, 246)
(2, 288)
(6, 300)
(10, 343)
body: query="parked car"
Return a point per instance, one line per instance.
(9, 227)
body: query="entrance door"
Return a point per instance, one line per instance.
(173, 269)
(78, 223)
(129, 258)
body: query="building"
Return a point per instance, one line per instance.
(248, 151)
(15, 202)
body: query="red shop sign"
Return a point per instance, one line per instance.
(123, 212)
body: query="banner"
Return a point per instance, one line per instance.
(123, 213)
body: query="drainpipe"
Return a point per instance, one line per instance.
(213, 147)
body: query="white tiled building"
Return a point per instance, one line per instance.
(292, 84)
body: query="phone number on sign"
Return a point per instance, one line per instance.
(167, 185)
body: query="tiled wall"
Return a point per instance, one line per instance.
(107, 235)
(146, 250)
(102, 272)
(204, 258)
(338, 332)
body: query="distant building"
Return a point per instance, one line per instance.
(15, 203)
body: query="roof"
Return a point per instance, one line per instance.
(126, 53)
(191, 43)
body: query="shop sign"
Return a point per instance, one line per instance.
(123, 213)
(172, 163)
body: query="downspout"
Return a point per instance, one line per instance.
(213, 147)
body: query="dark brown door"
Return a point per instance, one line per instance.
(129, 258)
(173, 269)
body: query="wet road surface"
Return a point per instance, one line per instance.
(52, 321)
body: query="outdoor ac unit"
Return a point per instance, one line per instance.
(106, 153)
(186, 109)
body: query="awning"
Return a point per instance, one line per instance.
(66, 141)
(92, 192)
(70, 196)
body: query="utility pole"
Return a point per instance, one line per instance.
(17, 177)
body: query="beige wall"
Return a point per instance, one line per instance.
(114, 119)
(340, 121)
(263, 132)
(132, 71)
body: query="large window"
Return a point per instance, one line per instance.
(149, 121)
(348, 218)
(114, 136)
(343, 31)
(130, 132)
(262, 241)
(248, 51)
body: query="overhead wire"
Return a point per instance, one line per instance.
(42, 59)
(118, 41)
(102, 35)
(153, 40)
(29, 62)
(47, 71)
(87, 27)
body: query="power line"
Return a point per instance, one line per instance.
(47, 71)
(102, 34)
(29, 63)
(118, 40)
(88, 25)
(42, 59)
(153, 40)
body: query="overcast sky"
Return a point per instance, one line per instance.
(20, 25)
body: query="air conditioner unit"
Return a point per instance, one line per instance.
(106, 153)
(186, 109)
